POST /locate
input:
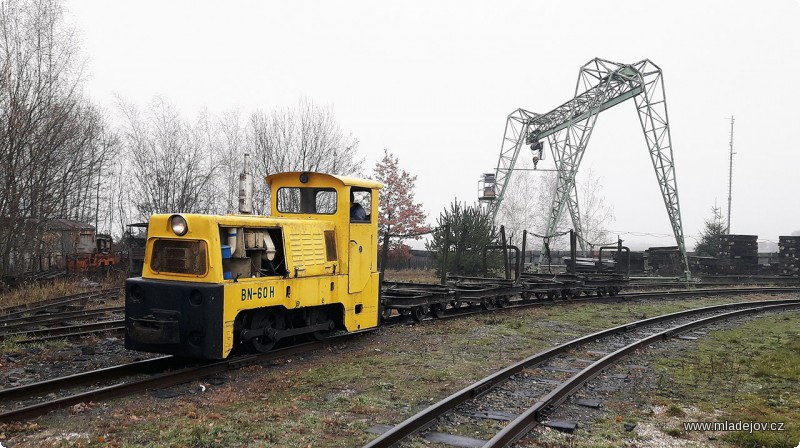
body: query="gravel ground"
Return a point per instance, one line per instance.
(330, 398)
(627, 389)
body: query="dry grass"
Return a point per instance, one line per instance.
(411, 275)
(35, 292)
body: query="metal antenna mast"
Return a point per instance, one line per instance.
(601, 84)
(730, 181)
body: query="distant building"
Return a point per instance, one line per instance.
(48, 244)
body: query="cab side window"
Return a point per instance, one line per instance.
(360, 205)
(307, 200)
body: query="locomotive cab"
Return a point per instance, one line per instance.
(212, 284)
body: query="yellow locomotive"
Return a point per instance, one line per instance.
(211, 284)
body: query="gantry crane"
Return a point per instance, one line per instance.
(601, 84)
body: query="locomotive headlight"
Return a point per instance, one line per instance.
(178, 224)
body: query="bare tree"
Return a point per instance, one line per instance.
(171, 162)
(53, 142)
(528, 199)
(231, 140)
(526, 203)
(596, 214)
(305, 138)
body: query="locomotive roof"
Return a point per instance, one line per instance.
(293, 177)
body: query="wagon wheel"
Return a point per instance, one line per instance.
(438, 310)
(565, 293)
(261, 320)
(487, 303)
(600, 292)
(386, 313)
(455, 303)
(502, 302)
(576, 294)
(538, 295)
(552, 294)
(613, 290)
(418, 313)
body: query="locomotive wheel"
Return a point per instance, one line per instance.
(418, 313)
(438, 310)
(315, 317)
(260, 320)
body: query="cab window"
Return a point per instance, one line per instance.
(306, 200)
(360, 204)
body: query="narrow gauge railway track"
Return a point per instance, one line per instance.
(37, 321)
(57, 304)
(61, 317)
(711, 292)
(64, 324)
(26, 402)
(27, 393)
(539, 402)
(421, 301)
(711, 280)
(22, 323)
(67, 331)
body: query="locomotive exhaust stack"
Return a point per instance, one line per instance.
(246, 189)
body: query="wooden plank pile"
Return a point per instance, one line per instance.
(739, 247)
(789, 255)
(637, 261)
(664, 261)
(738, 254)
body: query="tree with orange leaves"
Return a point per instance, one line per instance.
(399, 216)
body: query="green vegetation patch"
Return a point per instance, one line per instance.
(748, 373)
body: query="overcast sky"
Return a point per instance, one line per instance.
(433, 82)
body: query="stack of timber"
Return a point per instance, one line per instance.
(664, 261)
(636, 261)
(704, 265)
(739, 247)
(738, 254)
(789, 255)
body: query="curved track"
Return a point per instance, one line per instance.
(160, 372)
(159, 378)
(521, 424)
